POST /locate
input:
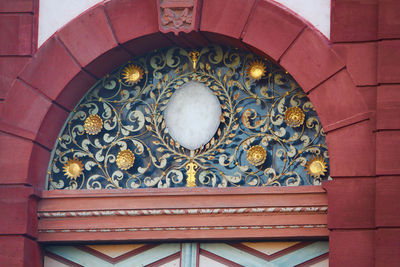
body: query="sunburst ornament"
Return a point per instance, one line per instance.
(132, 74)
(93, 124)
(316, 167)
(256, 155)
(125, 159)
(294, 117)
(73, 168)
(256, 69)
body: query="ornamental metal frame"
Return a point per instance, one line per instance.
(116, 136)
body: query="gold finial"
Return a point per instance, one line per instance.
(194, 56)
(191, 174)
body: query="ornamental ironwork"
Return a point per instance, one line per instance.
(116, 137)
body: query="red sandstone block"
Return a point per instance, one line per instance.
(9, 68)
(75, 90)
(388, 61)
(225, 40)
(195, 39)
(17, 204)
(225, 17)
(20, 251)
(16, 34)
(354, 20)
(88, 36)
(131, 19)
(360, 61)
(108, 62)
(38, 166)
(16, 6)
(351, 203)
(337, 99)
(351, 248)
(387, 251)
(388, 152)
(24, 108)
(50, 69)
(387, 204)
(14, 159)
(271, 29)
(51, 126)
(190, 40)
(351, 150)
(310, 60)
(389, 19)
(369, 95)
(388, 107)
(147, 43)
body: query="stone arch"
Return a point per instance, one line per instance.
(108, 34)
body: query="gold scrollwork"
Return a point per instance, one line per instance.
(269, 133)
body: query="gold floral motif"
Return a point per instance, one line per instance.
(132, 74)
(125, 159)
(93, 124)
(73, 168)
(256, 155)
(316, 167)
(294, 117)
(256, 70)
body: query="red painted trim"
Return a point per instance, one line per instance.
(273, 256)
(122, 257)
(219, 259)
(165, 260)
(314, 260)
(62, 259)
(180, 191)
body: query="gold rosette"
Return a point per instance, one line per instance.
(73, 168)
(316, 167)
(132, 74)
(256, 155)
(294, 117)
(125, 159)
(93, 124)
(256, 70)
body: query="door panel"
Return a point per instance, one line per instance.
(249, 254)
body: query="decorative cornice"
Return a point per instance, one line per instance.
(149, 212)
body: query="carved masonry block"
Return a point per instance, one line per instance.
(178, 15)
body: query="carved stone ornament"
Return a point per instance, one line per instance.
(177, 15)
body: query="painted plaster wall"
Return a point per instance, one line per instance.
(54, 14)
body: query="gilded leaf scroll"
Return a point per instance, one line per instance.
(116, 136)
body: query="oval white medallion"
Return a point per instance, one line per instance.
(192, 115)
